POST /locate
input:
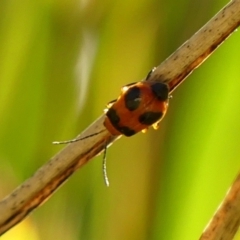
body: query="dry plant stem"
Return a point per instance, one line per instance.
(48, 178)
(174, 70)
(225, 222)
(199, 47)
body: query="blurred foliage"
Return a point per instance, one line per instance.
(61, 62)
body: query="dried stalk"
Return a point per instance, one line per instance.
(225, 222)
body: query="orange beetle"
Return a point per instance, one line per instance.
(139, 106)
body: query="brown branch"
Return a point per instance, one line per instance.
(226, 220)
(199, 47)
(34, 191)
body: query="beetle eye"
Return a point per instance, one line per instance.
(161, 91)
(132, 98)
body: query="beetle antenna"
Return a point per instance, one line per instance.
(150, 73)
(77, 139)
(104, 166)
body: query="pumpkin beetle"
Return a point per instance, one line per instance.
(139, 106)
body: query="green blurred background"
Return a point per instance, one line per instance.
(61, 62)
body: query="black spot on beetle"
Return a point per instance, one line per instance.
(114, 119)
(160, 90)
(126, 131)
(113, 116)
(149, 118)
(132, 98)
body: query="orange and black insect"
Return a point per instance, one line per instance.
(139, 106)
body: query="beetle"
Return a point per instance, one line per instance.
(139, 106)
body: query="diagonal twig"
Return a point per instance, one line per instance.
(226, 220)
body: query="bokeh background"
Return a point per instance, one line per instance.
(61, 62)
